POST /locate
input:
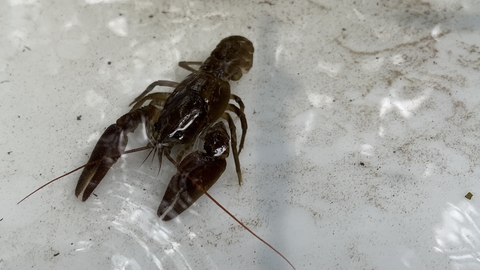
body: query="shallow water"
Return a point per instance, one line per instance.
(362, 140)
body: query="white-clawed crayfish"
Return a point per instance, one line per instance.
(177, 120)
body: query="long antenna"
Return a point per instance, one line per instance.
(243, 225)
(83, 166)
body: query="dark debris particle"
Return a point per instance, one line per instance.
(9, 152)
(151, 16)
(267, 2)
(95, 195)
(109, 62)
(56, 254)
(344, 29)
(469, 196)
(362, 164)
(79, 117)
(1, 219)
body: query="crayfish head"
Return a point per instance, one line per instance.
(232, 57)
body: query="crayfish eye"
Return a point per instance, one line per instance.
(155, 126)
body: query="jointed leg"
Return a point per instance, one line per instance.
(186, 65)
(243, 121)
(158, 99)
(233, 141)
(239, 113)
(186, 149)
(167, 151)
(239, 101)
(150, 88)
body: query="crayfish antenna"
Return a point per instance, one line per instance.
(60, 177)
(149, 153)
(243, 225)
(160, 155)
(81, 167)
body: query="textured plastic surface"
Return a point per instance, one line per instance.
(362, 143)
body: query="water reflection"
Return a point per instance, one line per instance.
(143, 226)
(406, 107)
(119, 26)
(458, 236)
(120, 262)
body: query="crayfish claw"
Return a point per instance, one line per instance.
(100, 172)
(108, 149)
(196, 173)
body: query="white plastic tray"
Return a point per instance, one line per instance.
(362, 142)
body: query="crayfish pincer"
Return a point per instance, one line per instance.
(196, 173)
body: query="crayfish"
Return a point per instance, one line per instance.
(175, 121)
